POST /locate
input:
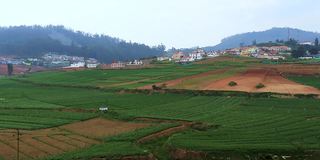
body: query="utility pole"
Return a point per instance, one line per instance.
(18, 143)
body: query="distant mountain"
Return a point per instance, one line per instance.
(34, 41)
(265, 36)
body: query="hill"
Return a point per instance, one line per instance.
(34, 41)
(265, 36)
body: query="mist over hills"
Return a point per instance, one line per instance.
(265, 36)
(34, 41)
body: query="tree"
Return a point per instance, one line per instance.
(10, 69)
(313, 51)
(254, 42)
(300, 52)
(316, 42)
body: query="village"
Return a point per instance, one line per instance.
(53, 60)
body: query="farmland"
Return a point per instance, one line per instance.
(58, 107)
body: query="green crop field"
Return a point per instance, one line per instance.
(311, 80)
(124, 78)
(239, 123)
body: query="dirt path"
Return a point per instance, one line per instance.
(134, 82)
(183, 125)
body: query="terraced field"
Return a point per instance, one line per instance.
(126, 78)
(235, 123)
(311, 80)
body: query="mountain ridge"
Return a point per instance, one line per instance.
(273, 34)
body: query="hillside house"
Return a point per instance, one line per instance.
(118, 64)
(135, 62)
(163, 58)
(78, 64)
(92, 63)
(177, 56)
(212, 54)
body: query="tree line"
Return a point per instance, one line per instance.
(34, 41)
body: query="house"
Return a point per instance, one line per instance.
(197, 54)
(212, 54)
(92, 63)
(177, 56)
(118, 64)
(271, 57)
(135, 62)
(78, 64)
(307, 43)
(280, 48)
(304, 58)
(163, 58)
(233, 51)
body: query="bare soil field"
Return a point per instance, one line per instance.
(19, 69)
(272, 80)
(51, 141)
(99, 127)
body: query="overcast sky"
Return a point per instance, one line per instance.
(178, 23)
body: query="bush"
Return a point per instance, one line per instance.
(260, 85)
(232, 83)
(154, 87)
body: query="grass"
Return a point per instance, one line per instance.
(311, 80)
(125, 78)
(237, 116)
(117, 146)
(245, 124)
(111, 150)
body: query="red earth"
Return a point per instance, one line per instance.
(272, 80)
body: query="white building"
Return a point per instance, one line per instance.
(164, 58)
(78, 64)
(196, 56)
(92, 63)
(212, 54)
(135, 62)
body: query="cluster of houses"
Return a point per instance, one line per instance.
(53, 60)
(181, 57)
(119, 64)
(272, 52)
(11, 60)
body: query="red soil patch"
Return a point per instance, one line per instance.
(166, 132)
(101, 127)
(45, 142)
(272, 80)
(175, 82)
(19, 69)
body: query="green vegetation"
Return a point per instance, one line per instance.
(260, 85)
(311, 80)
(236, 122)
(126, 78)
(232, 83)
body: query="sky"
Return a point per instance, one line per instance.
(174, 23)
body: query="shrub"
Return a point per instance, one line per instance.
(260, 85)
(154, 87)
(232, 83)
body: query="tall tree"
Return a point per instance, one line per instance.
(300, 52)
(254, 42)
(10, 69)
(316, 42)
